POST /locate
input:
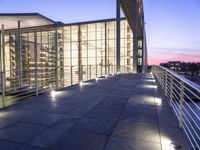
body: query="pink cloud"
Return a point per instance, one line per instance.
(158, 56)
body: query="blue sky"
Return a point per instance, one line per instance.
(173, 26)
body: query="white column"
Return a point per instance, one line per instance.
(2, 66)
(135, 36)
(19, 53)
(118, 35)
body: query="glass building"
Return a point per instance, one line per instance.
(38, 54)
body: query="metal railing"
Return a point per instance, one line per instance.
(184, 98)
(20, 84)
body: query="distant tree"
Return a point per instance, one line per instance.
(198, 65)
(183, 67)
(193, 68)
(164, 65)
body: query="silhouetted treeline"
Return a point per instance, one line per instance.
(190, 68)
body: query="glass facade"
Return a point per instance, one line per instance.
(52, 57)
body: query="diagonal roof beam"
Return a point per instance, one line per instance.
(128, 7)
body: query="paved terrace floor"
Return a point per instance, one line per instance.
(123, 112)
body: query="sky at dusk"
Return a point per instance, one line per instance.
(173, 26)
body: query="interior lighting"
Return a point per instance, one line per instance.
(81, 83)
(53, 93)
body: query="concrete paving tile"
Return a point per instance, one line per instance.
(80, 141)
(144, 100)
(29, 147)
(139, 113)
(110, 106)
(104, 114)
(81, 111)
(170, 134)
(43, 118)
(116, 99)
(4, 123)
(93, 102)
(15, 114)
(51, 134)
(166, 117)
(73, 102)
(140, 90)
(94, 126)
(22, 103)
(34, 106)
(128, 144)
(137, 131)
(8, 145)
(58, 109)
(21, 132)
(137, 108)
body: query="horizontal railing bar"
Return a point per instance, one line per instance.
(190, 140)
(188, 82)
(186, 127)
(192, 111)
(192, 101)
(192, 119)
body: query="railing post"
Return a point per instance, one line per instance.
(160, 72)
(101, 70)
(82, 72)
(57, 76)
(108, 68)
(166, 80)
(181, 105)
(96, 71)
(90, 71)
(71, 72)
(163, 79)
(36, 82)
(3, 87)
(171, 89)
(112, 69)
(159, 75)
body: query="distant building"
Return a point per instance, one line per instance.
(173, 65)
(189, 68)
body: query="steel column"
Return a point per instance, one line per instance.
(118, 35)
(135, 36)
(96, 48)
(19, 53)
(2, 46)
(106, 51)
(71, 71)
(71, 67)
(57, 59)
(80, 67)
(36, 62)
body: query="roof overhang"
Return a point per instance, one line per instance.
(128, 9)
(10, 20)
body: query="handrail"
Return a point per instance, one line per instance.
(188, 82)
(184, 97)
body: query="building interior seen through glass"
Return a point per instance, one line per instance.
(64, 55)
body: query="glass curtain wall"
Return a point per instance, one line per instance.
(52, 57)
(67, 55)
(91, 50)
(126, 54)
